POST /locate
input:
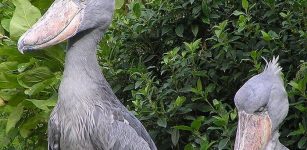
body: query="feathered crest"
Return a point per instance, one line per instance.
(272, 66)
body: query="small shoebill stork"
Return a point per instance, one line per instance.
(87, 116)
(262, 105)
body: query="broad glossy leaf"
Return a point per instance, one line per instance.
(8, 94)
(29, 78)
(182, 127)
(199, 85)
(302, 142)
(1, 31)
(38, 87)
(56, 53)
(223, 143)
(237, 13)
(24, 17)
(162, 122)
(8, 81)
(266, 36)
(179, 101)
(14, 117)
(31, 124)
(119, 4)
(245, 5)
(4, 140)
(179, 30)
(197, 123)
(5, 23)
(8, 66)
(23, 66)
(42, 5)
(44, 104)
(137, 9)
(189, 147)
(195, 29)
(175, 136)
(2, 103)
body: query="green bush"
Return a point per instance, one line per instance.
(176, 64)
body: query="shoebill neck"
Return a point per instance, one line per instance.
(81, 61)
(82, 77)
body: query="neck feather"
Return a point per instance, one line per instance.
(82, 76)
(81, 56)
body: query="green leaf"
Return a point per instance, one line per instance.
(233, 115)
(273, 34)
(205, 145)
(266, 36)
(206, 12)
(14, 117)
(195, 30)
(237, 13)
(137, 9)
(8, 66)
(162, 122)
(175, 136)
(245, 5)
(31, 124)
(1, 31)
(283, 15)
(8, 81)
(8, 94)
(5, 23)
(179, 101)
(188, 147)
(223, 143)
(179, 30)
(294, 85)
(119, 4)
(197, 123)
(29, 78)
(218, 33)
(302, 143)
(23, 66)
(299, 131)
(36, 88)
(183, 127)
(44, 104)
(24, 17)
(199, 85)
(2, 103)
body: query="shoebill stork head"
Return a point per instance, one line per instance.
(66, 18)
(262, 105)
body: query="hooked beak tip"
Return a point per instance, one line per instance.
(21, 46)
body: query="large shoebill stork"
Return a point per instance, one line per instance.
(87, 116)
(262, 105)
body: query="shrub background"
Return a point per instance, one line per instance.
(176, 64)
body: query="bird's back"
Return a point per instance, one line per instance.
(101, 123)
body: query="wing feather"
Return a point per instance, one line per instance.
(53, 133)
(118, 129)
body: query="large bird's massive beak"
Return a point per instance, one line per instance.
(60, 22)
(254, 131)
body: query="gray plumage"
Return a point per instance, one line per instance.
(266, 92)
(88, 115)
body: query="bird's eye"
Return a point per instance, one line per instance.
(261, 109)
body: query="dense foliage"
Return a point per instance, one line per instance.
(176, 64)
